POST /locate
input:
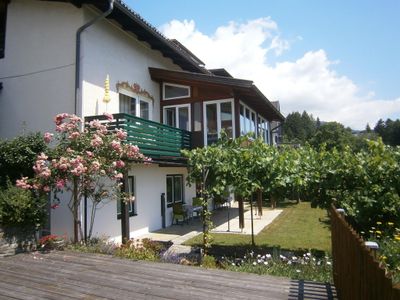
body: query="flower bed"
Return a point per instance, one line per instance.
(306, 266)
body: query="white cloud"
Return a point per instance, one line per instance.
(310, 83)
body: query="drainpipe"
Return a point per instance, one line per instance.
(77, 74)
(78, 51)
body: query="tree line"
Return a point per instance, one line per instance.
(303, 128)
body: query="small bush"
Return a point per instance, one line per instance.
(209, 262)
(145, 249)
(140, 250)
(94, 245)
(21, 209)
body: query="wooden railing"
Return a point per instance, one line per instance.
(357, 274)
(153, 139)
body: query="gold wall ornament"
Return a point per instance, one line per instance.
(135, 88)
(107, 97)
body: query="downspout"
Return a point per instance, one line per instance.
(78, 79)
(78, 51)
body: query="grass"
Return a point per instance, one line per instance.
(298, 227)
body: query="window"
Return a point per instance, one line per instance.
(218, 115)
(137, 106)
(263, 129)
(175, 91)
(174, 189)
(247, 120)
(132, 193)
(177, 116)
(3, 21)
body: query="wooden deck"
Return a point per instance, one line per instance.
(70, 275)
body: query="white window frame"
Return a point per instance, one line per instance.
(176, 85)
(137, 98)
(173, 200)
(177, 114)
(218, 102)
(266, 128)
(246, 130)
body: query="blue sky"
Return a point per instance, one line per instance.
(360, 43)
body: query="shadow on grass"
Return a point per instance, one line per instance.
(282, 204)
(326, 222)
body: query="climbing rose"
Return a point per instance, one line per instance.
(109, 117)
(47, 137)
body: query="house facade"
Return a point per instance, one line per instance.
(55, 57)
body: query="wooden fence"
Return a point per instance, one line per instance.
(356, 272)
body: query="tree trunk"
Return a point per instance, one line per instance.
(259, 203)
(241, 212)
(75, 208)
(125, 231)
(273, 202)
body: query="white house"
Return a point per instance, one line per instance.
(55, 56)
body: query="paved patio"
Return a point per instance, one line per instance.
(178, 234)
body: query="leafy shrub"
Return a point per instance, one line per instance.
(21, 208)
(18, 155)
(388, 238)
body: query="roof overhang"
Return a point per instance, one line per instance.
(244, 89)
(131, 21)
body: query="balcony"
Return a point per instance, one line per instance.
(154, 140)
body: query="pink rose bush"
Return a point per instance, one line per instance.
(83, 160)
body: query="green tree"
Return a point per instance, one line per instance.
(389, 131)
(333, 135)
(299, 128)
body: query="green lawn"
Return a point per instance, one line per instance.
(298, 227)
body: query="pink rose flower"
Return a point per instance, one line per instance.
(47, 137)
(119, 164)
(23, 183)
(121, 134)
(118, 176)
(95, 165)
(74, 135)
(109, 116)
(96, 141)
(60, 184)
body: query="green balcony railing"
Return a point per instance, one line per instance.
(153, 139)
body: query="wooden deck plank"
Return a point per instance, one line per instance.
(144, 270)
(212, 281)
(88, 276)
(200, 273)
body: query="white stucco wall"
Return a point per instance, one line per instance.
(150, 183)
(107, 49)
(40, 39)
